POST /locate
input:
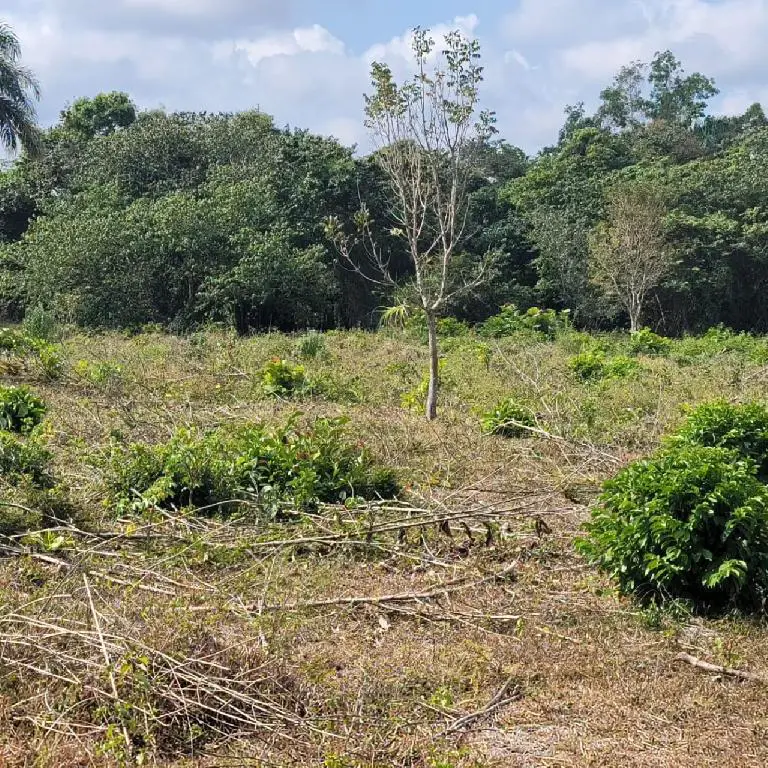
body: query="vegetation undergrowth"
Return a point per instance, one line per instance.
(268, 467)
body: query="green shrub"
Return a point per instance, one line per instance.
(102, 373)
(742, 428)
(646, 342)
(416, 324)
(450, 327)
(545, 322)
(18, 345)
(30, 498)
(689, 523)
(593, 365)
(15, 341)
(266, 466)
(415, 399)
(312, 346)
(621, 367)
(40, 323)
(20, 409)
(50, 361)
(718, 341)
(588, 365)
(509, 419)
(280, 378)
(24, 459)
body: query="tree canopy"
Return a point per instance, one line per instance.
(123, 217)
(19, 90)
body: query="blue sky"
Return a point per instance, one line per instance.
(306, 61)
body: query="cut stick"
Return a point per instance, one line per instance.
(444, 589)
(505, 695)
(718, 670)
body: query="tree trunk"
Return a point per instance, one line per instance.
(634, 318)
(434, 371)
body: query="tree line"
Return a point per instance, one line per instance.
(649, 211)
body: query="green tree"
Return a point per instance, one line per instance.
(629, 256)
(426, 130)
(624, 105)
(643, 93)
(99, 116)
(675, 97)
(19, 90)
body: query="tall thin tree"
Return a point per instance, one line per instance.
(19, 90)
(426, 131)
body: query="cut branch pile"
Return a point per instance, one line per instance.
(148, 696)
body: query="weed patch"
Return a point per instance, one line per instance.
(265, 467)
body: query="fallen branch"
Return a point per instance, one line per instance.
(501, 699)
(717, 669)
(403, 597)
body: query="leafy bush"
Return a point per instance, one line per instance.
(742, 428)
(593, 365)
(20, 409)
(509, 419)
(15, 341)
(416, 324)
(588, 365)
(27, 488)
(266, 466)
(621, 367)
(16, 344)
(50, 361)
(646, 342)
(311, 346)
(691, 522)
(717, 341)
(101, 373)
(450, 327)
(39, 323)
(24, 459)
(280, 378)
(546, 322)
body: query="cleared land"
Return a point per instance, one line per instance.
(455, 627)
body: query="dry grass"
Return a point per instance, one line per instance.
(372, 636)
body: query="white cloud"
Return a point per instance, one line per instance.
(237, 54)
(727, 36)
(517, 57)
(315, 39)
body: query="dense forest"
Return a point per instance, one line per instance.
(124, 217)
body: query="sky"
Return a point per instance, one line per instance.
(307, 62)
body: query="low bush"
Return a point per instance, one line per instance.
(509, 419)
(280, 378)
(593, 365)
(20, 409)
(416, 325)
(24, 459)
(101, 373)
(545, 322)
(311, 346)
(718, 341)
(415, 399)
(689, 523)
(28, 495)
(265, 466)
(40, 323)
(17, 347)
(742, 428)
(646, 342)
